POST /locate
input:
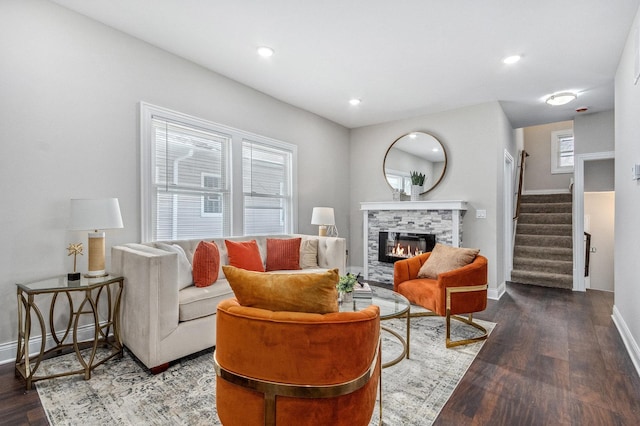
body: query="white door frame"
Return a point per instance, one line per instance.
(578, 214)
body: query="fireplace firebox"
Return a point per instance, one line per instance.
(394, 246)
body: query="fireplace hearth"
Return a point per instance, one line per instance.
(394, 246)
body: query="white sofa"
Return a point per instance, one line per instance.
(161, 322)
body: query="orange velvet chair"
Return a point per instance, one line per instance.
(297, 368)
(461, 291)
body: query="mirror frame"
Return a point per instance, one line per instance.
(444, 169)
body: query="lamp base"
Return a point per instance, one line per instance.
(96, 274)
(73, 276)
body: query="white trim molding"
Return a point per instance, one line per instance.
(627, 338)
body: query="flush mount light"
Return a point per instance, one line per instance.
(413, 135)
(561, 98)
(509, 60)
(265, 51)
(355, 102)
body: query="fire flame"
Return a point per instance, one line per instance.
(400, 251)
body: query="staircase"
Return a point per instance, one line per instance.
(543, 252)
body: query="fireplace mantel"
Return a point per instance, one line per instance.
(440, 218)
(414, 205)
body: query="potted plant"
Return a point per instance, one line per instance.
(345, 286)
(417, 182)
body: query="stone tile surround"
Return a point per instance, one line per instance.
(441, 218)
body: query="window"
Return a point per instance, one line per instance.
(191, 188)
(562, 151)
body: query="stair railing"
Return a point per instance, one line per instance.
(523, 156)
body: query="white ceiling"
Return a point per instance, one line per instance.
(402, 58)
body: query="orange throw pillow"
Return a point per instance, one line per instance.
(283, 254)
(300, 292)
(244, 255)
(206, 264)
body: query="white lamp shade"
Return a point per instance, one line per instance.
(323, 216)
(88, 214)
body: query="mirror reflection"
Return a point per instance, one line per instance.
(414, 152)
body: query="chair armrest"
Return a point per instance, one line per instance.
(472, 274)
(407, 269)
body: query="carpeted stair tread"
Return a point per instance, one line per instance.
(542, 279)
(545, 218)
(544, 241)
(546, 198)
(545, 208)
(543, 265)
(545, 229)
(548, 253)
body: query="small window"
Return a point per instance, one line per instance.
(211, 203)
(562, 151)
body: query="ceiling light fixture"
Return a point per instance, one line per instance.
(265, 51)
(355, 102)
(509, 60)
(561, 98)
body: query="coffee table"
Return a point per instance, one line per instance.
(392, 305)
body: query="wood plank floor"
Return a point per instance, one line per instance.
(555, 358)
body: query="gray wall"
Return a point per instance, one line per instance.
(537, 143)
(474, 138)
(627, 231)
(594, 132)
(69, 95)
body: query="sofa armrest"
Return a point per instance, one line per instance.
(150, 296)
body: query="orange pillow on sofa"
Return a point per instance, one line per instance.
(244, 255)
(283, 254)
(206, 264)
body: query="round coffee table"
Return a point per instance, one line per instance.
(392, 305)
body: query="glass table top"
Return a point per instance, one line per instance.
(391, 304)
(62, 283)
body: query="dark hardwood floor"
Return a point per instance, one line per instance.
(554, 358)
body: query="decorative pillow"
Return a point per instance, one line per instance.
(283, 254)
(312, 292)
(185, 277)
(446, 258)
(309, 254)
(244, 255)
(206, 264)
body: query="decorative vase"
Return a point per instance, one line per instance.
(415, 192)
(346, 297)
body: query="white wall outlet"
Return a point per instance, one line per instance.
(481, 214)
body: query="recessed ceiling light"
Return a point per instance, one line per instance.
(413, 135)
(511, 59)
(435, 149)
(561, 98)
(265, 51)
(355, 101)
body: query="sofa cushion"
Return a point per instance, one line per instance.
(244, 255)
(445, 258)
(283, 253)
(300, 292)
(197, 302)
(309, 254)
(185, 276)
(206, 264)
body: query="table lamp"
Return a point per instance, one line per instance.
(324, 217)
(95, 214)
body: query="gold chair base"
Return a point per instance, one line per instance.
(453, 343)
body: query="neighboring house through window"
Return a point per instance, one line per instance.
(562, 151)
(192, 188)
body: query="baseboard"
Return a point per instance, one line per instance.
(9, 350)
(496, 293)
(546, 191)
(629, 342)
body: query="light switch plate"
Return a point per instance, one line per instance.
(481, 214)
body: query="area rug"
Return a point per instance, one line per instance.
(123, 392)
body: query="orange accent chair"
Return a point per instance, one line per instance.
(453, 293)
(297, 368)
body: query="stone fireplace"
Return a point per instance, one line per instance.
(430, 222)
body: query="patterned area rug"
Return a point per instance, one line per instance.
(123, 392)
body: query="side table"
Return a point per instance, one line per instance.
(100, 303)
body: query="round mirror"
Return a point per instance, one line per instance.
(414, 152)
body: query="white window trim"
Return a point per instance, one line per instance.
(555, 151)
(147, 111)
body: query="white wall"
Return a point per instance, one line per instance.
(69, 95)
(627, 233)
(474, 139)
(594, 132)
(599, 207)
(537, 143)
